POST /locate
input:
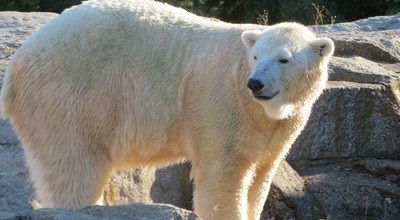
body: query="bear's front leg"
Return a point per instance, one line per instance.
(221, 189)
(258, 191)
(279, 144)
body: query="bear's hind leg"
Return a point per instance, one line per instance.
(67, 179)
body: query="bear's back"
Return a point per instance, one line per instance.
(95, 52)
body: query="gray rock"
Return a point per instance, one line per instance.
(356, 188)
(172, 186)
(351, 120)
(132, 211)
(7, 134)
(357, 118)
(360, 70)
(359, 113)
(15, 190)
(15, 27)
(378, 23)
(128, 186)
(289, 197)
(376, 46)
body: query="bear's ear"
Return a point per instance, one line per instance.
(323, 46)
(250, 37)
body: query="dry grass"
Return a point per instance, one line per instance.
(320, 14)
(263, 18)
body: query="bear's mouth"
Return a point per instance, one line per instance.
(264, 97)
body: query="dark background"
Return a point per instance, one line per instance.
(251, 11)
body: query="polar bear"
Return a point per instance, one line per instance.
(117, 83)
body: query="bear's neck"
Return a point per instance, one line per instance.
(219, 51)
(223, 58)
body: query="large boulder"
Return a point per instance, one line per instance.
(15, 28)
(355, 188)
(351, 120)
(132, 211)
(290, 198)
(356, 119)
(170, 185)
(15, 190)
(16, 193)
(358, 115)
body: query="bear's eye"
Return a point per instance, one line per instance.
(283, 61)
(255, 57)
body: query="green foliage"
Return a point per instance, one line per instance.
(57, 6)
(250, 11)
(19, 5)
(37, 5)
(304, 11)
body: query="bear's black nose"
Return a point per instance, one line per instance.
(255, 85)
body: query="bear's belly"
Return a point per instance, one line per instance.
(159, 150)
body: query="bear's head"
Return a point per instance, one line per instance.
(288, 67)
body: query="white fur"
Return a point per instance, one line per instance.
(279, 110)
(268, 47)
(110, 84)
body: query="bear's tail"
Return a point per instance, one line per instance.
(7, 94)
